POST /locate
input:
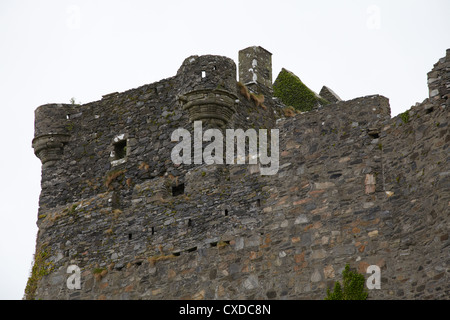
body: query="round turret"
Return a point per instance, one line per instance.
(51, 132)
(209, 89)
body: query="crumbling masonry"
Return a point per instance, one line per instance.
(354, 186)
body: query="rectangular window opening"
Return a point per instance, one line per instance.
(120, 149)
(178, 190)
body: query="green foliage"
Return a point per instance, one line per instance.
(405, 116)
(353, 287)
(72, 101)
(41, 267)
(337, 293)
(293, 92)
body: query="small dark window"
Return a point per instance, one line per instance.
(120, 149)
(189, 223)
(374, 135)
(226, 212)
(130, 236)
(153, 230)
(335, 176)
(178, 190)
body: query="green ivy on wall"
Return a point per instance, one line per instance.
(293, 92)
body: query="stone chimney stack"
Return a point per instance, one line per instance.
(255, 67)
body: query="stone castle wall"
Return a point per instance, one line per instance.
(354, 186)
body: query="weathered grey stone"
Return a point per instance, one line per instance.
(316, 276)
(251, 282)
(318, 254)
(354, 186)
(301, 219)
(329, 95)
(255, 66)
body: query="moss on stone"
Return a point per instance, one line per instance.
(293, 92)
(405, 116)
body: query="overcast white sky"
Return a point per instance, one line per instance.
(51, 51)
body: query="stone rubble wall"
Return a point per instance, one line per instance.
(354, 186)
